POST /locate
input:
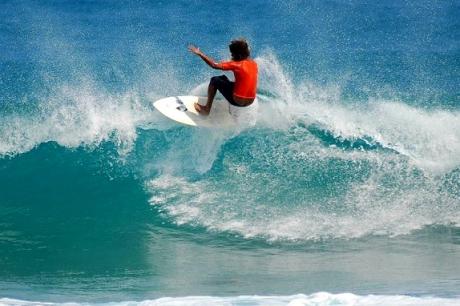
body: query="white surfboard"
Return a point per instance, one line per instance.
(180, 109)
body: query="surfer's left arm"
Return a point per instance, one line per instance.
(204, 57)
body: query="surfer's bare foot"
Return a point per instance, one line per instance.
(203, 110)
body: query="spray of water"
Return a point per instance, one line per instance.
(281, 181)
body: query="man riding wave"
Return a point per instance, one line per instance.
(242, 92)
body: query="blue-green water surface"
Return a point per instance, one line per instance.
(349, 181)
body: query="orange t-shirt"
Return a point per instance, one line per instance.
(245, 72)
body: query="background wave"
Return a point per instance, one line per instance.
(317, 299)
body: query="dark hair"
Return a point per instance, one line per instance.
(239, 49)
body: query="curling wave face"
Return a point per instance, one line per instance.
(315, 166)
(318, 167)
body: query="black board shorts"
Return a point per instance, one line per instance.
(225, 87)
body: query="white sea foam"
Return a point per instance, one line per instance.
(259, 196)
(429, 138)
(75, 117)
(316, 299)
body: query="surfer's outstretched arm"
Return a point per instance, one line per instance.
(204, 57)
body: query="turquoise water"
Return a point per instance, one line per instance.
(346, 192)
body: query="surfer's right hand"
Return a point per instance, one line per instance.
(194, 49)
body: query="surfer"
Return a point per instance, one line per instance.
(240, 93)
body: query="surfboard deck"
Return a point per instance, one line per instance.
(181, 109)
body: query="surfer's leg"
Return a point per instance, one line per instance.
(205, 109)
(225, 87)
(221, 83)
(212, 89)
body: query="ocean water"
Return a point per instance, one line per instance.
(345, 192)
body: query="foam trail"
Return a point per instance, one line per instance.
(192, 151)
(196, 149)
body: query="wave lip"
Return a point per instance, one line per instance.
(75, 117)
(315, 299)
(429, 138)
